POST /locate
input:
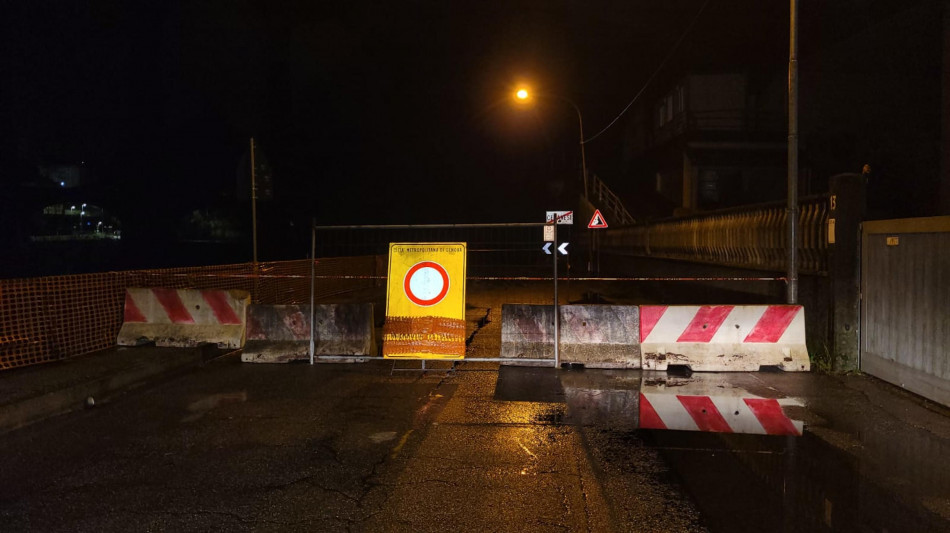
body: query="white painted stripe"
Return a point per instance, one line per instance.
(795, 332)
(672, 324)
(148, 304)
(200, 310)
(671, 412)
(746, 317)
(737, 414)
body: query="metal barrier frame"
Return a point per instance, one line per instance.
(554, 278)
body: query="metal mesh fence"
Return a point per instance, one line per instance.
(51, 318)
(493, 249)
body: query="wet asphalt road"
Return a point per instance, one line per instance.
(239, 447)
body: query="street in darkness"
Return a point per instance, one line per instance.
(380, 446)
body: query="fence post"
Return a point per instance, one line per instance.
(313, 265)
(845, 214)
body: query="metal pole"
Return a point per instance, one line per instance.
(313, 263)
(792, 270)
(557, 340)
(580, 125)
(580, 122)
(253, 202)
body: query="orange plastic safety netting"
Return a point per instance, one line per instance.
(51, 318)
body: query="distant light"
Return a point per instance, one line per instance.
(522, 94)
(73, 208)
(62, 184)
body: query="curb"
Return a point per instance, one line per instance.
(26, 410)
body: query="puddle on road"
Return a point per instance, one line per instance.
(528, 384)
(744, 456)
(774, 483)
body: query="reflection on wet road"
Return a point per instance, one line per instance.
(739, 447)
(711, 403)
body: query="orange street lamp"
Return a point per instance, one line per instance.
(522, 95)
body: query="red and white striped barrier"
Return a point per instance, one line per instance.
(723, 337)
(713, 408)
(184, 317)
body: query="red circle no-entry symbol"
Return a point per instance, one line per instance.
(426, 283)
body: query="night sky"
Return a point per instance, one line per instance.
(368, 112)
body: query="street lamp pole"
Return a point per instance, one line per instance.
(580, 123)
(523, 95)
(593, 237)
(792, 231)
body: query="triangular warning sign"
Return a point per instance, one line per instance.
(597, 221)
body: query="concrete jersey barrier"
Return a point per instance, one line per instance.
(724, 337)
(184, 317)
(281, 333)
(598, 336)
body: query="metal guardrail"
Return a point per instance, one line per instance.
(609, 201)
(751, 237)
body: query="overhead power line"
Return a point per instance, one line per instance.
(655, 72)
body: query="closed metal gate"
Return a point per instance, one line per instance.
(905, 307)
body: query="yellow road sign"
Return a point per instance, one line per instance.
(425, 301)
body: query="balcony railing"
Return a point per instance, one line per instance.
(720, 120)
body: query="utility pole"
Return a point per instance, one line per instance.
(253, 202)
(792, 270)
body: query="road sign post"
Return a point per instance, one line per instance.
(554, 219)
(557, 314)
(596, 222)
